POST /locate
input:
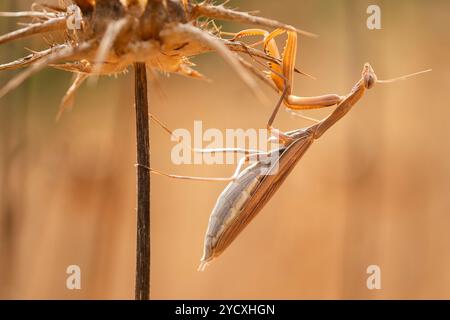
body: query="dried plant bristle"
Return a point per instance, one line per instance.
(112, 35)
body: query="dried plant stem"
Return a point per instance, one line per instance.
(143, 184)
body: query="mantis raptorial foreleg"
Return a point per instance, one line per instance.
(277, 75)
(287, 70)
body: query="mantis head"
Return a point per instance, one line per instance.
(369, 76)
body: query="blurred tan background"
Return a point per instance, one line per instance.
(373, 190)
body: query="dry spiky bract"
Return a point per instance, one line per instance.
(107, 36)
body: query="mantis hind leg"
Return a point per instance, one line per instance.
(235, 175)
(249, 155)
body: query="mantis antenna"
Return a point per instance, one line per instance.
(404, 77)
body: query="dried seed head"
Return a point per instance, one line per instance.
(86, 6)
(114, 34)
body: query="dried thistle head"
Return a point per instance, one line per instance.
(104, 37)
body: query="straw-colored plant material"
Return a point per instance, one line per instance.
(110, 35)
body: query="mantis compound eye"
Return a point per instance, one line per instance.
(369, 76)
(369, 80)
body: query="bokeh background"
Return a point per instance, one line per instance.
(373, 190)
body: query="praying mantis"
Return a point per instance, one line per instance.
(165, 34)
(250, 189)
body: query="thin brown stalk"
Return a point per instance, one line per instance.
(142, 289)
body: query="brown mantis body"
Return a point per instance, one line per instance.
(251, 189)
(259, 182)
